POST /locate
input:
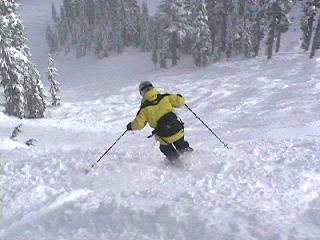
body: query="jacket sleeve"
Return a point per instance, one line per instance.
(140, 121)
(176, 100)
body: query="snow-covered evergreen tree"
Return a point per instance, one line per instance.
(54, 84)
(34, 93)
(89, 11)
(247, 27)
(307, 21)
(219, 17)
(10, 74)
(212, 23)
(126, 21)
(52, 38)
(155, 36)
(258, 24)
(63, 29)
(202, 45)
(23, 90)
(102, 37)
(54, 13)
(174, 25)
(316, 40)
(163, 51)
(278, 22)
(233, 35)
(83, 34)
(283, 24)
(119, 31)
(145, 42)
(154, 57)
(235, 27)
(133, 22)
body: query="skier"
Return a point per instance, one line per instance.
(158, 110)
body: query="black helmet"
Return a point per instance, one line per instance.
(145, 87)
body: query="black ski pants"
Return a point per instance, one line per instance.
(169, 150)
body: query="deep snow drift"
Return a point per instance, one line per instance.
(265, 187)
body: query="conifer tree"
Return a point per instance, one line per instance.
(155, 36)
(99, 26)
(102, 42)
(278, 22)
(212, 21)
(10, 71)
(163, 51)
(219, 14)
(155, 31)
(232, 27)
(52, 39)
(174, 25)
(258, 25)
(128, 16)
(233, 31)
(54, 84)
(273, 16)
(23, 89)
(283, 24)
(34, 93)
(83, 36)
(246, 27)
(202, 46)
(63, 29)
(316, 40)
(225, 8)
(154, 57)
(54, 13)
(145, 43)
(89, 11)
(307, 21)
(119, 32)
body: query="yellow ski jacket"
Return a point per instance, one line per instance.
(155, 105)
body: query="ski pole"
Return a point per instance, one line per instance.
(92, 166)
(225, 145)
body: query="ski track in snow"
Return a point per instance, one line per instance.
(265, 187)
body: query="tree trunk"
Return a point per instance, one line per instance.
(310, 28)
(271, 38)
(242, 7)
(163, 61)
(316, 39)
(278, 41)
(224, 26)
(173, 48)
(257, 48)
(224, 33)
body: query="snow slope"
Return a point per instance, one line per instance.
(265, 187)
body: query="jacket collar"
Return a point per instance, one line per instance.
(151, 95)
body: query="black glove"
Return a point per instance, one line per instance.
(129, 127)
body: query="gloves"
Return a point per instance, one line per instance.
(129, 127)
